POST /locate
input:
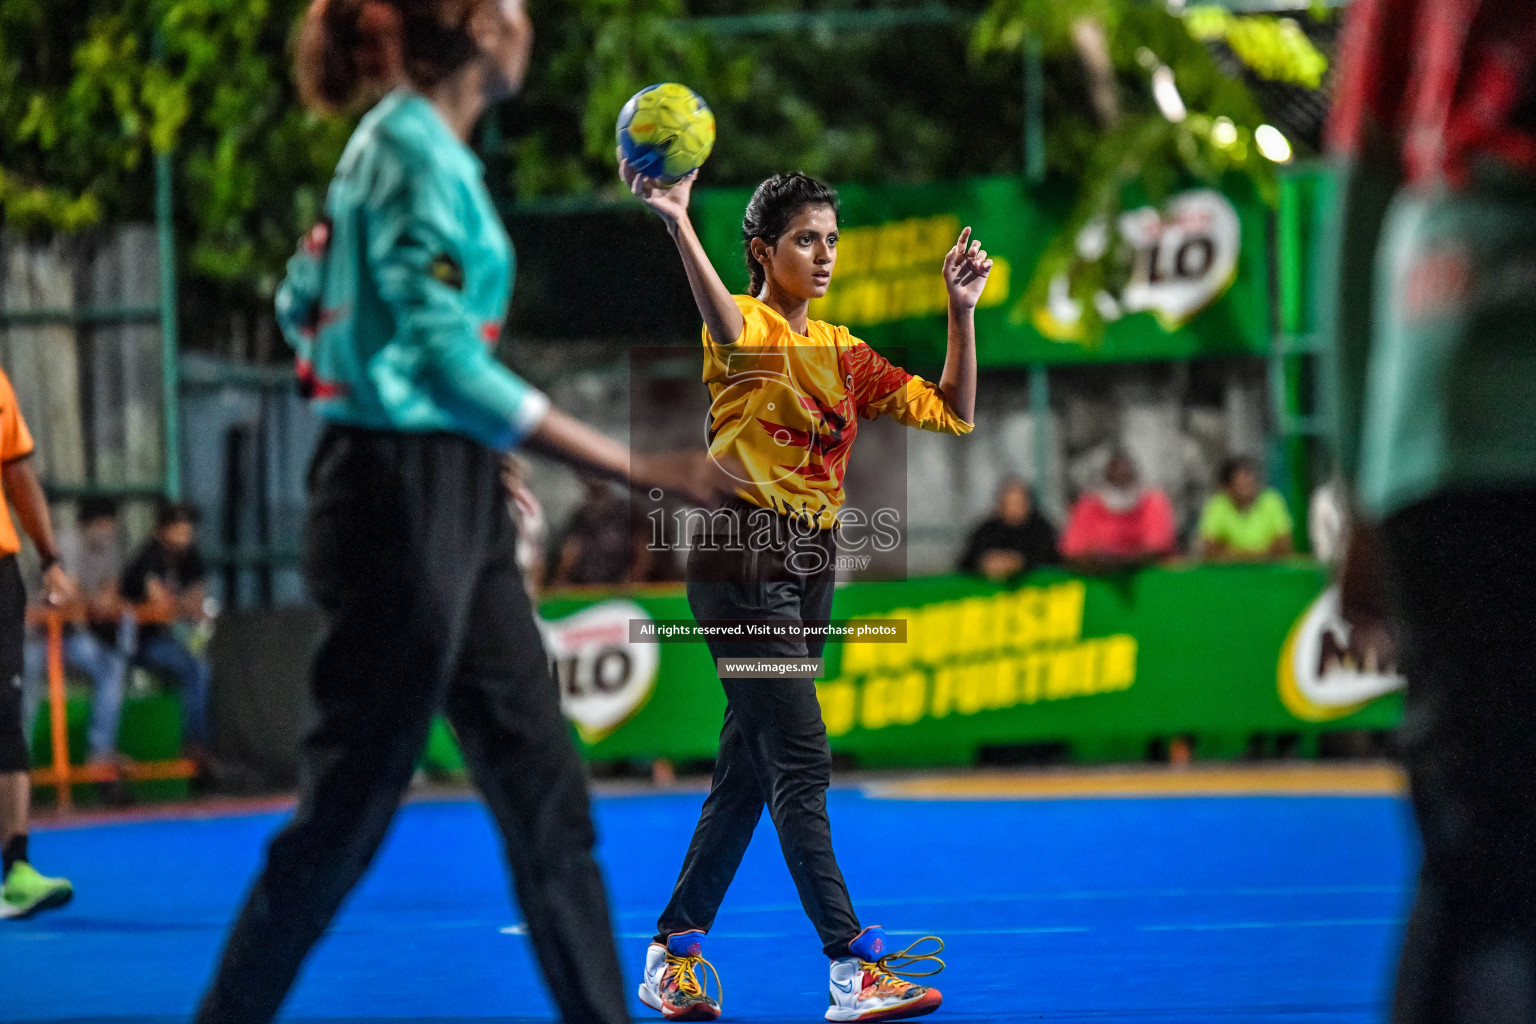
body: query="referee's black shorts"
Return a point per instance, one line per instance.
(13, 616)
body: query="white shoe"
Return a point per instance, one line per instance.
(864, 988)
(673, 983)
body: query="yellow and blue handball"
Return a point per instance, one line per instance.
(666, 131)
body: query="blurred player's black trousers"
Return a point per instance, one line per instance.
(410, 553)
(773, 745)
(1461, 591)
(13, 618)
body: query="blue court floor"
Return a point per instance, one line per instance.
(1115, 911)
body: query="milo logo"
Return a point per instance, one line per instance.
(1326, 671)
(1181, 259)
(604, 679)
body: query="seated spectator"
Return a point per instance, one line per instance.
(600, 545)
(1120, 524)
(1328, 522)
(168, 578)
(92, 552)
(1016, 539)
(1244, 522)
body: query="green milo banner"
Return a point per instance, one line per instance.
(1102, 665)
(1195, 274)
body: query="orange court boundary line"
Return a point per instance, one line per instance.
(1294, 780)
(1256, 780)
(51, 819)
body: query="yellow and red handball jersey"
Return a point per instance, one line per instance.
(788, 405)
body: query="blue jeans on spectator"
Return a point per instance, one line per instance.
(108, 669)
(161, 652)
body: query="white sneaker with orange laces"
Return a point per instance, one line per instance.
(867, 986)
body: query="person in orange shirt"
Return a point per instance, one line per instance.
(787, 395)
(24, 892)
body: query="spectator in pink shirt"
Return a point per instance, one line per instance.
(1121, 524)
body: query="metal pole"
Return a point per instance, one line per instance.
(1293, 349)
(1034, 111)
(58, 709)
(170, 378)
(1040, 419)
(170, 385)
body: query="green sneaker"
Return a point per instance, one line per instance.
(26, 892)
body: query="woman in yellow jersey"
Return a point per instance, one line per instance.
(788, 393)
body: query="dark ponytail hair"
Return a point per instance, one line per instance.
(776, 202)
(347, 47)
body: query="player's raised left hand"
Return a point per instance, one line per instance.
(965, 271)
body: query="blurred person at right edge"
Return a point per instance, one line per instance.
(394, 304)
(1435, 129)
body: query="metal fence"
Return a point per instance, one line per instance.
(82, 338)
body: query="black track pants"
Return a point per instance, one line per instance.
(1462, 597)
(773, 748)
(410, 553)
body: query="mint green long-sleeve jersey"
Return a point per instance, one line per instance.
(396, 300)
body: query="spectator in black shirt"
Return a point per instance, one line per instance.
(168, 577)
(1016, 539)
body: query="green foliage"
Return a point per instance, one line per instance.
(89, 99)
(851, 105)
(1275, 48)
(93, 98)
(1143, 157)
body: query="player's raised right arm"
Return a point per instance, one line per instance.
(721, 314)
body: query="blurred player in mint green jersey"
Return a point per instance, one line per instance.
(395, 302)
(1436, 124)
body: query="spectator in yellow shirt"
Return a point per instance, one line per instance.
(1244, 521)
